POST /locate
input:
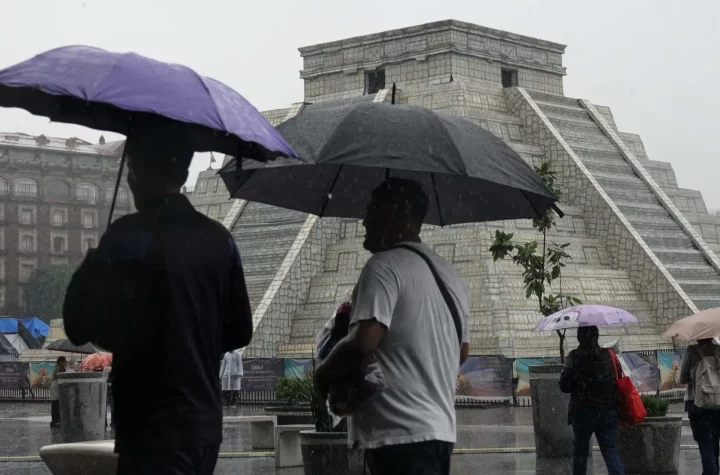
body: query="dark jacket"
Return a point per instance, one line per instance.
(589, 378)
(165, 292)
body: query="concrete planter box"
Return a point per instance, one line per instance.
(328, 453)
(287, 416)
(83, 401)
(652, 446)
(553, 435)
(83, 458)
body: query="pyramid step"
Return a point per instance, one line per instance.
(676, 240)
(563, 110)
(620, 180)
(553, 99)
(644, 224)
(681, 256)
(701, 287)
(704, 302)
(632, 208)
(691, 271)
(606, 163)
(571, 121)
(577, 143)
(625, 194)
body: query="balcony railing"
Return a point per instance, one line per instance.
(25, 194)
(87, 199)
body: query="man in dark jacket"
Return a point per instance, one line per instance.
(165, 292)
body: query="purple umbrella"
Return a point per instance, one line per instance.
(109, 91)
(119, 91)
(585, 316)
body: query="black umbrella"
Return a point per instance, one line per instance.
(346, 151)
(67, 346)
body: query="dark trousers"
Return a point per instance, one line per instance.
(604, 424)
(705, 425)
(420, 458)
(54, 413)
(146, 461)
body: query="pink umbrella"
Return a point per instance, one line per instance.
(585, 316)
(705, 324)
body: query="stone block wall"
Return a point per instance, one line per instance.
(602, 217)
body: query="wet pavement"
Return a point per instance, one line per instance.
(496, 440)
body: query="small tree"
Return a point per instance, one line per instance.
(541, 267)
(45, 292)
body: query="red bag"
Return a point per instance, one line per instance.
(630, 407)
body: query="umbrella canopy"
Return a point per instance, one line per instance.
(585, 316)
(96, 362)
(346, 151)
(104, 90)
(702, 325)
(67, 346)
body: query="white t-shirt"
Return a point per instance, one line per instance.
(419, 355)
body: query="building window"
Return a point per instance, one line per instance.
(58, 218)
(58, 244)
(88, 219)
(26, 271)
(509, 77)
(88, 193)
(26, 244)
(26, 216)
(3, 187)
(374, 81)
(88, 243)
(122, 196)
(26, 187)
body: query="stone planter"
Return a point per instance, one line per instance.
(287, 416)
(327, 453)
(553, 435)
(83, 402)
(652, 446)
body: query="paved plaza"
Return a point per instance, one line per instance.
(490, 441)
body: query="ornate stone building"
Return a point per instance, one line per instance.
(638, 240)
(55, 194)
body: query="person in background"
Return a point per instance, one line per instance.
(589, 377)
(401, 317)
(55, 392)
(71, 365)
(231, 373)
(165, 285)
(704, 423)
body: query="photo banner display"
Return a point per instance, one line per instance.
(261, 374)
(643, 370)
(669, 364)
(485, 376)
(297, 367)
(41, 374)
(13, 375)
(521, 373)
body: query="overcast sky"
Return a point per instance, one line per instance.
(656, 63)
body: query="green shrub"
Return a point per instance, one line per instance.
(294, 391)
(655, 406)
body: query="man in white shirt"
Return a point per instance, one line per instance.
(401, 316)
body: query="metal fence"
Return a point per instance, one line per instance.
(30, 395)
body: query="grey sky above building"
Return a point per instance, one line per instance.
(654, 62)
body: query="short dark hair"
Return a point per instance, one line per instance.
(409, 194)
(588, 335)
(166, 152)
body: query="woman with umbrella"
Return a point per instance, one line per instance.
(704, 328)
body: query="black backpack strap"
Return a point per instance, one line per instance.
(443, 290)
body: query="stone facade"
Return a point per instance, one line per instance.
(55, 195)
(637, 240)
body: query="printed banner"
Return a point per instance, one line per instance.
(485, 376)
(297, 367)
(669, 365)
(521, 373)
(41, 374)
(261, 374)
(643, 370)
(13, 375)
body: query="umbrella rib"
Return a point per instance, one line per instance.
(437, 199)
(329, 191)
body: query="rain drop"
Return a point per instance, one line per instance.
(329, 196)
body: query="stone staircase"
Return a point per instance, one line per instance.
(264, 234)
(658, 228)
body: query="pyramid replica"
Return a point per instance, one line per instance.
(637, 240)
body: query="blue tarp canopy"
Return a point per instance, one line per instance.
(35, 326)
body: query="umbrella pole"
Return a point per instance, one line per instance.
(117, 185)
